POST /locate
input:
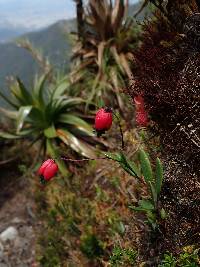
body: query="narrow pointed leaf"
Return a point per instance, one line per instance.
(129, 166)
(25, 95)
(8, 100)
(134, 168)
(9, 113)
(60, 89)
(39, 88)
(7, 135)
(144, 205)
(115, 157)
(76, 144)
(54, 153)
(74, 120)
(163, 214)
(117, 14)
(153, 193)
(50, 132)
(22, 114)
(146, 166)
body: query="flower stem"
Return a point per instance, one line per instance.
(120, 128)
(78, 160)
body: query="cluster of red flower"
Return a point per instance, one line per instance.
(141, 115)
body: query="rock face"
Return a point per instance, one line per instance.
(10, 233)
(168, 76)
(17, 234)
(1, 250)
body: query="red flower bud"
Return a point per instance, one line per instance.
(103, 119)
(141, 118)
(48, 169)
(139, 102)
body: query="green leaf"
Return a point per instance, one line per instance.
(127, 169)
(50, 132)
(9, 113)
(129, 166)
(74, 120)
(54, 153)
(153, 193)
(22, 114)
(76, 144)
(159, 176)
(145, 205)
(71, 102)
(7, 135)
(115, 157)
(134, 168)
(163, 214)
(25, 132)
(8, 101)
(146, 166)
(36, 119)
(38, 89)
(25, 95)
(60, 89)
(100, 102)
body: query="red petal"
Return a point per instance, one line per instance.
(50, 171)
(139, 100)
(103, 120)
(44, 165)
(141, 118)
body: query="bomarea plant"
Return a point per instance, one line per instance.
(153, 180)
(46, 115)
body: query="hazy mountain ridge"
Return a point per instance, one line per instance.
(55, 44)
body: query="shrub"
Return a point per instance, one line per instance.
(167, 75)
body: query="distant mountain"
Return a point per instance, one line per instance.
(34, 15)
(8, 33)
(55, 44)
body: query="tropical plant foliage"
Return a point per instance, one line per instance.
(153, 181)
(103, 55)
(49, 116)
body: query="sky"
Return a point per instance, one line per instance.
(36, 13)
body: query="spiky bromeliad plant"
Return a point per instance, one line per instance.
(103, 54)
(46, 114)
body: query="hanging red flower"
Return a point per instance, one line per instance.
(48, 170)
(103, 120)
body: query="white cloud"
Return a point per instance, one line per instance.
(35, 13)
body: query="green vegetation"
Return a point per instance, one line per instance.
(118, 207)
(103, 54)
(55, 45)
(122, 257)
(153, 182)
(49, 116)
(188, 258)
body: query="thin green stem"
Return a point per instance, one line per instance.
(120, 128)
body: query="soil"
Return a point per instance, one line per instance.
(17, 210)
